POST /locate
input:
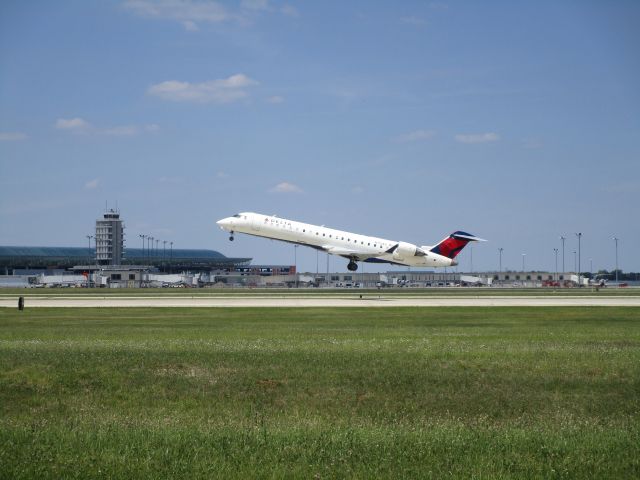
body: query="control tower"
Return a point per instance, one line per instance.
(109, 239)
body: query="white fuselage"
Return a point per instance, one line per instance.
(337, 242)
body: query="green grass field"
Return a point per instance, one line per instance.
(320, 393)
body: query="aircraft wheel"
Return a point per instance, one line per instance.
(352, 267)
(231, 238)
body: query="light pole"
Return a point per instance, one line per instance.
(575, 262)
(327, 282)
(615, 239)
(563, 270)
(164, 253)
(89, 237)
(156, 252)
(149, 246)
(295, 262)
(500, 261)
(171, 258)
(142, 237)
(590, 268)
(579, 235)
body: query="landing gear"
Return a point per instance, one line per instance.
(353, 266)
(231, 237)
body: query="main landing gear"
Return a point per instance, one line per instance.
(353, 266)
(231, 236)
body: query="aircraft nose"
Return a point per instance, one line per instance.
(224, 223)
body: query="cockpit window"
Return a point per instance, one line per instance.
(237, 215)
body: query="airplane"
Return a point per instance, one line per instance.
(353, 246)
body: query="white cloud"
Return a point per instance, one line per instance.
(415, 136)
(477, 137)
(12, 136)
(220, 91)
(285, 187)
(275, 99)
(92, 184)
(76, 125)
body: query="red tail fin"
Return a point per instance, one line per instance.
(454, 243)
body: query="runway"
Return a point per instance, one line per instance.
(370, 301)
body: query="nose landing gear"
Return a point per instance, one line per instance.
(231, 237)
(352, 266)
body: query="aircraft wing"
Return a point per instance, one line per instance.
(353, 253)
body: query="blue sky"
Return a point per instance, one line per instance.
(516, 121)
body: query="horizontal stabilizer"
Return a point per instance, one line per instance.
(467, 236)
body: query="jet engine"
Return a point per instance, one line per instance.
(407, 250)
